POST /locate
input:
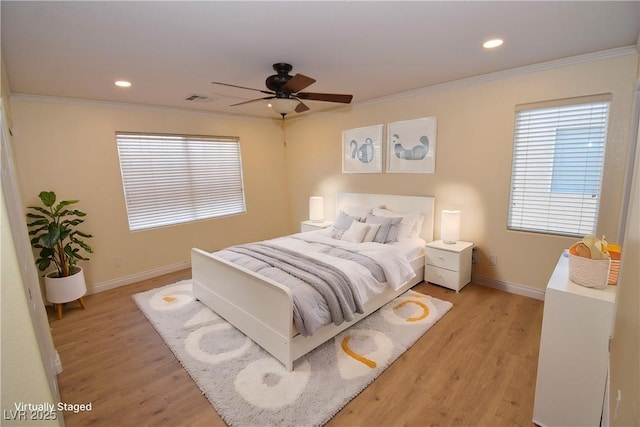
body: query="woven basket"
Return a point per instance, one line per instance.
(592, 273)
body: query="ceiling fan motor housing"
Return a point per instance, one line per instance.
(277, 81)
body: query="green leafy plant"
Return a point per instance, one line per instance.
(54, 232)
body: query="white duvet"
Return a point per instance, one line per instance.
(311, 309)
(392, 258)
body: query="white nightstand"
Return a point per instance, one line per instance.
(448, 265)
(309, 225)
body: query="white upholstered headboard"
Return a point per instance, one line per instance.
(393, 202)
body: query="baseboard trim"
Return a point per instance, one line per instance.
(501, 285)
(512, 288)
(137, 277)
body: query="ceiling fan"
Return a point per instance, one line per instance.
(285, 91)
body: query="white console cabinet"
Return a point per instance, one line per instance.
(574, 352)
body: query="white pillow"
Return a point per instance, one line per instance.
(410, 225)
(417, 229)
(356, 232)
(371, 233)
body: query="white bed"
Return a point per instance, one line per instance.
(263, 309)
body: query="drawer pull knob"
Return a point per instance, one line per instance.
(441, 258)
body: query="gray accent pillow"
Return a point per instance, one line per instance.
(392, 237)
(388, 228)
(340, 225)
(343, 221)
(381, 235)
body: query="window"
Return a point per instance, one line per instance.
(577, 160)
(173, 179)
(558, 156)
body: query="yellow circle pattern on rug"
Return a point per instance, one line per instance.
(345, 347)
(266, 383)
(359, 351)
(172, 298)
(424, 314)
(192, 345)
(412, 309)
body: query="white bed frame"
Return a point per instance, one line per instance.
(263, 309)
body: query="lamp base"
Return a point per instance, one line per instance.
(449, 242)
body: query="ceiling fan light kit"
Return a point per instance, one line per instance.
(284, 105)
(284, 91)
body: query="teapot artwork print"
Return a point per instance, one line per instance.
(364, 152)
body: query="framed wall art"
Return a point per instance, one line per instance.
(362, 150)
(411, 146)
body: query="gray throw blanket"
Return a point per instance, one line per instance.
(334, 286)
(374, 268)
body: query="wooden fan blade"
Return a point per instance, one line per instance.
(301, 108)
(327, 97)
(253, 100)
(243, 87)
(297, 83)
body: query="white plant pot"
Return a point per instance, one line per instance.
(65, 289)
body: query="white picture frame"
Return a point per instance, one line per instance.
(411, 146)
(362, 149)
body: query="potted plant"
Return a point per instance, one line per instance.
(59, 244)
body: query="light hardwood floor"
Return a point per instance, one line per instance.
(475, 367)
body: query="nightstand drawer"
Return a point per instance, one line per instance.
(443, 277)
(443, 259)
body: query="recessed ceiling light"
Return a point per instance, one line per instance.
(490, 44)
(123, 83)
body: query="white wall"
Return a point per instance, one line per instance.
(625, 346)
(475, 124)
(69, 147)
(23, 375)
(27, 373)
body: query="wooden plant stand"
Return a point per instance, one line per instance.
(59, 307)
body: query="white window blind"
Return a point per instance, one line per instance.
(558, 156)
(173, 179)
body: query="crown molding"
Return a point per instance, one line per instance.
(483, 78)
(47, 99)
(504, 74)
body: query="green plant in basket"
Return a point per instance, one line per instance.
(55, 235)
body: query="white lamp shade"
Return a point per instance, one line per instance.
(450, 226)
(316, 208)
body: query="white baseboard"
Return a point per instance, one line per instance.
(489, 282)
(137, 277)
(512, 288)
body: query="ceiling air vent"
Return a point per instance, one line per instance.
(198, 98)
